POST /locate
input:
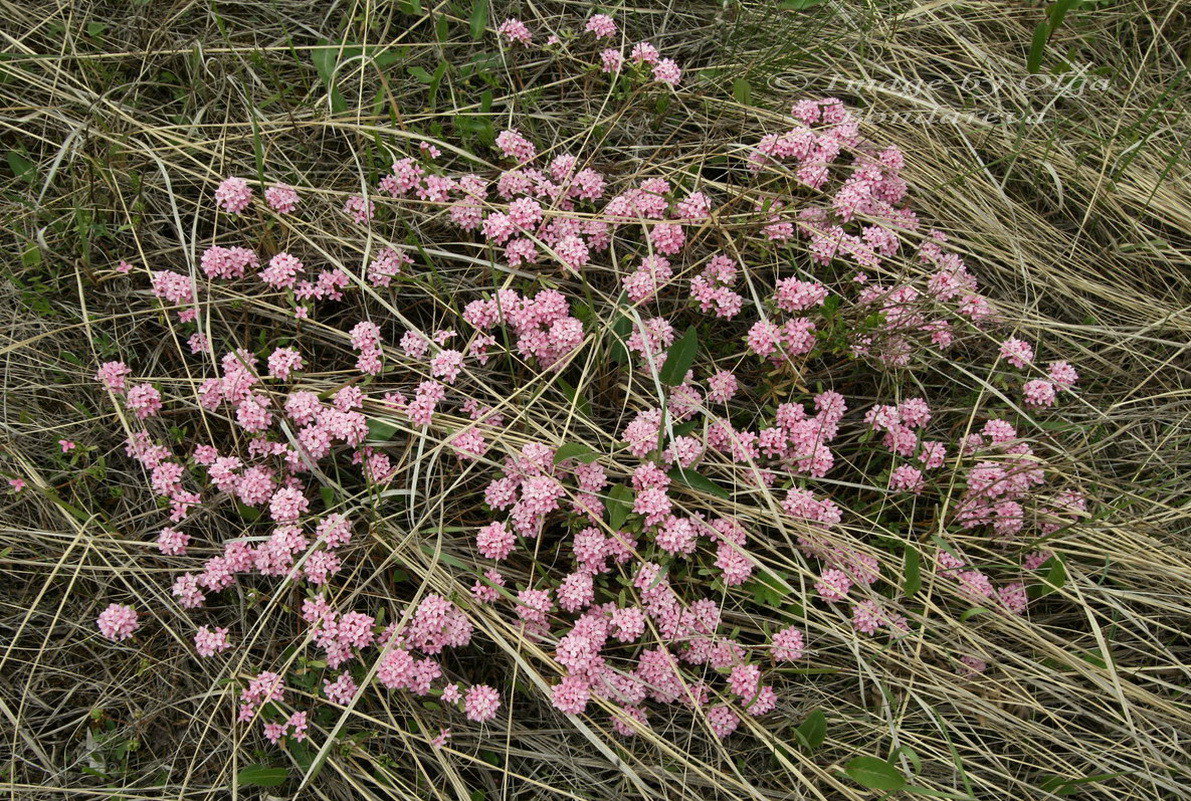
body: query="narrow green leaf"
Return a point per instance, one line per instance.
(680, 358)
(813, 731)
(1037, 47)
(577, 451)
(1053, 581)
(21, 167)
(1059, 786)
(912, 580)
(420, 74)
(875, 774)
(799, 5)
(698, 481)
(261, 776)
(620, 331)
(258, 150)
(742, 90)
(325, 57)
(435, 81)
(380, 431)
(249, 513)
(1059, 10)
(479, 19)
(1056, 577)
(619, 503)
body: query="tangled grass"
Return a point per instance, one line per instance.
(1071, 207)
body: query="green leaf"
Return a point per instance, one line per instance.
(680, 358)
(578, 401)
(971, 613)
(1037, 47)
(912, 578)
(1059, 10)
(249, 513)
(577, 451)
(742, 90)
(479, 19)
(875, 774)
(1053, 581)
(620, 330)
(325, 57)
(619, 503)
(21, 167)
(698, 481)
(380, 430)
(813, 731)
(261, 776)
(1059, 786)
(420, 74)
(799, 5)
(768, 588)
(258, 150)
(1056, 577)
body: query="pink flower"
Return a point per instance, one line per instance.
(297, 722)
(787, 645)
(117, 622)
(833, 585)
(1016, 352)
(282, 272)
(446, 365)
(112, 375)
(645, 53)
(907, 478)
(601, 25)
(144, 400)
(66, 445)
(1039, 393)
(1063, 375)
(482, 703)
(495, 541)
(288, 504)
(723, 720)
(124, 268)
(515, 31)
(233, 195)
(611, 60)
(284, 360)
(172, 542)
(666, 71)
(360, 208)
(282, 198)
(515, 146)
(208, 642)
(571, 695)
(17, 484)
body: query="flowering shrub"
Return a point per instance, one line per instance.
(623, 560)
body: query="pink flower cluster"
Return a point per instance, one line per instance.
(233, 195)
(631, 570)
(593, 652)
(543, 325)
(118, 622)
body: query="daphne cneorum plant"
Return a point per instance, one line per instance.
(625, 559)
